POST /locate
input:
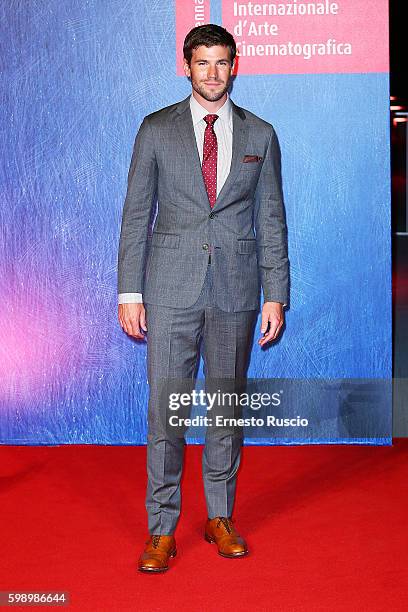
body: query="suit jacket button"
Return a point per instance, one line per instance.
(205, 246)
(212, 215)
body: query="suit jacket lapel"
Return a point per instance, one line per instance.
(239, 142)
(184, 122)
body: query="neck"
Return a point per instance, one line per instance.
(212, 107)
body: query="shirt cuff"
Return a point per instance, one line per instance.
(277, 301)
(130, 298)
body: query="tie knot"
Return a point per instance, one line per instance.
(210, 119)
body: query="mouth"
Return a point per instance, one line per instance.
(212, 83)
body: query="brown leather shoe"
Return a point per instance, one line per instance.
(155, 557)
(222, 531)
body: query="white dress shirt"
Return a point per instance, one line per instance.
(223, 131)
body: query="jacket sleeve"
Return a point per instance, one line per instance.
(137, 208)
(270, 227)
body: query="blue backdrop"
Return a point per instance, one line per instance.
(77, 79)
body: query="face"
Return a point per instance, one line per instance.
(210, 71)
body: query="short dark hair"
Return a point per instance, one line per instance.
(208, 35)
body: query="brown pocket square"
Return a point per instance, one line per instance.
(251, 158)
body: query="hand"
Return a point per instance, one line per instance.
(272, 313)
(132, 318)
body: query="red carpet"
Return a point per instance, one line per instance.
(326, 527)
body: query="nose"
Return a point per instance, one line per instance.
(212, 73)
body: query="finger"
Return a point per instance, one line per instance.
(122, 324)
(267, 338)
(134, 329)
(278, 329)
(120, 317)
(264, 322)
(143, 324)
(270, 335)
(137, 333)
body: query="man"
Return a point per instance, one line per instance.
(219, 234)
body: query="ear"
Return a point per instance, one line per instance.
(186, 68)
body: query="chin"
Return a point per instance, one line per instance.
(212, 96)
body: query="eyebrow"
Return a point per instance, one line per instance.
(218, 60)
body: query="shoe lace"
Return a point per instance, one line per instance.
(155, 540)
(226, 522)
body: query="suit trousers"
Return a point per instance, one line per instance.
(175, 339)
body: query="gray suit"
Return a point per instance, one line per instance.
(165, 163)
(200, 274)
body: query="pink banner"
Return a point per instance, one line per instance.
(309, 37)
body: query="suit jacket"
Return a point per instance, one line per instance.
(245, 232)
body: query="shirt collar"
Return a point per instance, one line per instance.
(198, 112)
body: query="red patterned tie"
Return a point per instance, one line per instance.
(209, 165)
